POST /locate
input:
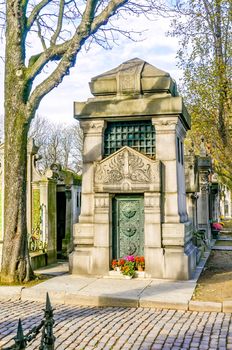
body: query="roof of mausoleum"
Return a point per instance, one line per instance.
(133, 77)
(133, 90)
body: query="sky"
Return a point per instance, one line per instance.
(155, 48)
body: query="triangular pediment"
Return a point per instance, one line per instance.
(124, 150)
(126, 169)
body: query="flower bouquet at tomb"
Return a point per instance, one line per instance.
(128, 265)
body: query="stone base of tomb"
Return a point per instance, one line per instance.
(38, 260)
(175, 260)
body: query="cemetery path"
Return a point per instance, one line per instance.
(114, 328)
(215, 282)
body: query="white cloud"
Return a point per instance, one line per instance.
(156, 48)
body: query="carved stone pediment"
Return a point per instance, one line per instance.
(127, 170)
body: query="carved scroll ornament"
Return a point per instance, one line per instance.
(124, 165)
(127, 168)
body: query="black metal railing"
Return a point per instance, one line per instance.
(45, 326)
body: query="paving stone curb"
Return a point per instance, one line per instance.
(195, 305)
(10, 293)
(106, 301)
(20, 293)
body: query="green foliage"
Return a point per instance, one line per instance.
(128, 269)
(0, 211)
(205, 33)
(36, 213)
(198, 238)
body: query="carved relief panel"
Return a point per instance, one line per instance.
(127, 170)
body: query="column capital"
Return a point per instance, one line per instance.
(93, 127)
(165, 124)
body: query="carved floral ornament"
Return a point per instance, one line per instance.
(126, 166)
(204, 181)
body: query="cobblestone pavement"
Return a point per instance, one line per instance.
(121, 328)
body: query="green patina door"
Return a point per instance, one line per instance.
(128, 225)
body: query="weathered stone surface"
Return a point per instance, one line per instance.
(227, 306)
(159, 304)
(204, 306)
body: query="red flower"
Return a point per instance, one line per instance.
(121, 262)
(114, 263)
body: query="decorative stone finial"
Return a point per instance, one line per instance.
(203, 152)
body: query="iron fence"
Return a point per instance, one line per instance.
(47, 341)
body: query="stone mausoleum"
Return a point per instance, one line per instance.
(133, 185)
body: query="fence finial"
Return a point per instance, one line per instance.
(20, 339)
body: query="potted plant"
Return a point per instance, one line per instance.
(114, 264)
(121, 263)
(128, 270)
(140, 263)
(216, 228)
(199, 238)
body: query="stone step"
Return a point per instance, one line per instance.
(221, 248)
(221, 239)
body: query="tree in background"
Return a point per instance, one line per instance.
(1, 128)
(58, 143)
(63, 28)
(205, 55)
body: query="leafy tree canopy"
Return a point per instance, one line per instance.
(205, 55)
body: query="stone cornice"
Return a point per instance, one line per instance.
(132, 107)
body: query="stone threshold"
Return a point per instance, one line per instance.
(119, 275)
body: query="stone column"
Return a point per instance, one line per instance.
(48, 203)
(68, 223)
(204, 167)
(92, 151)
(192, 187)
(81, 259)
(167, 131)
(153, 250)
(179, 252)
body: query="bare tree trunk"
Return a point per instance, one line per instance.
(15, 263)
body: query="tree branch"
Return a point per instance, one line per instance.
(69, 50)
(36, 10)
(59, 23)
(37, 62)
(41, 36)
(108, 12)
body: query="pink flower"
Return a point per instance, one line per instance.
(130, 258)
(217, 226)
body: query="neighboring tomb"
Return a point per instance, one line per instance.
(133, 185)
(53, 206)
